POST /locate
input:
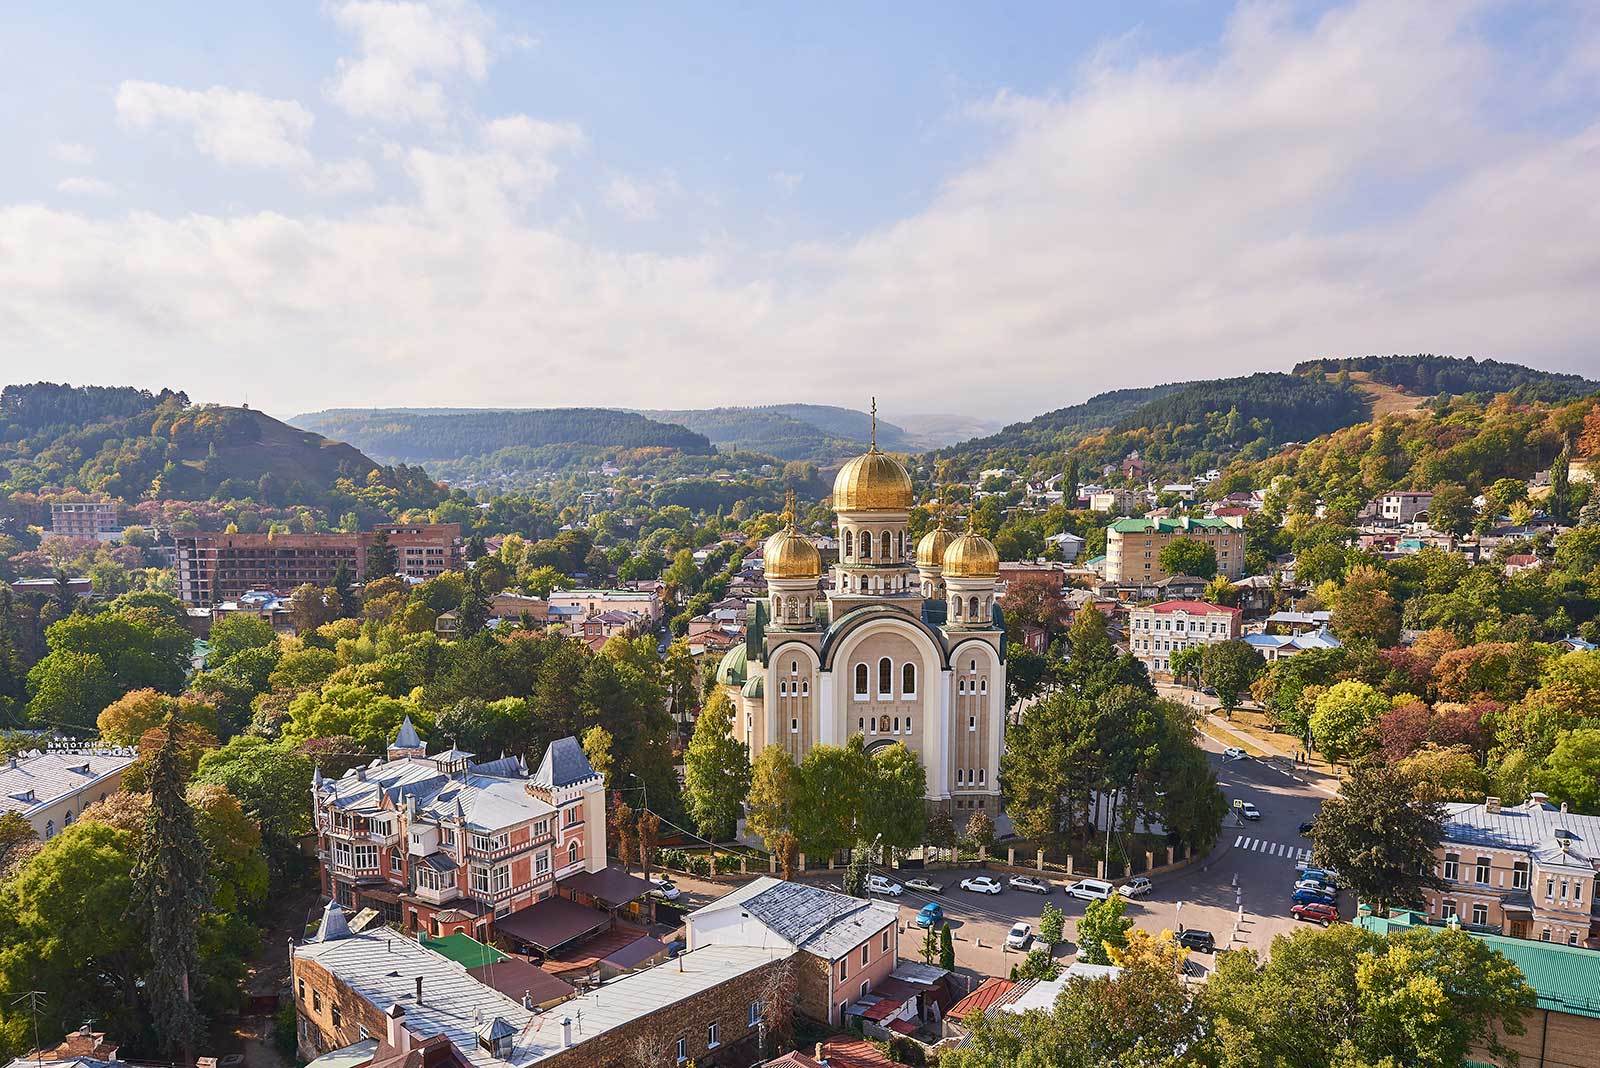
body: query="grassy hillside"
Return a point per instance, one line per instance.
(424, 435)
(133, 444)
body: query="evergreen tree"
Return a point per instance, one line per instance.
(716, 773)
(66, 601)
(930, 946)
(947, 949)
(1561, 485)
(1069, 483)
(855, 875)
(473, 612)
(383, 559)
(476, 548)
(344, 586)
(173, 890)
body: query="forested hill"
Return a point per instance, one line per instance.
(1185, 428)
(417, 435)
(790, 431)
(132, 443)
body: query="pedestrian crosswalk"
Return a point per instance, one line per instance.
(1293, 853)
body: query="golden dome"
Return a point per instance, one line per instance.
(873, 481)
(930, 550)
(971, 556)
(789, 554)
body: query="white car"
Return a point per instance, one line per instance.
(1138, 886)
(1030, 883)
(1233, 752)
(1021, 934)
(1091, 890)
(662, 887)
(1249, 811)
(982, 884)
(878, 884)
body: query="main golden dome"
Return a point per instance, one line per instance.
(789, 554)
(873, 481)
(930, 550)
(971, 556)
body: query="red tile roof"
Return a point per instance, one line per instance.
(854, 1053)
(795, 1059)
(989, 991)
(1194, 608)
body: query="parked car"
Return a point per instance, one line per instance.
(879, 884)
(982, 884)
(1138, 886)
(1019, 937)
(1315, 912)
(1091, 889)
(1031, 884)
(1233, 752)
(930, 915)
(923, 886)
(662, 887)
(1249, 811)
(1326, 876)
(1318, 885)
(1313, 897)
(1197, 939)
(1306, 828)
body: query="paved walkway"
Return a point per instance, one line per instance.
(1266, 749)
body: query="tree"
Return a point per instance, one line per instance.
(1103, 927)
(893, 811)
(828, 797)
(1344, 716)
(625, 832)
(173, 890)
(1070, 479)
(236, 632)
(1229, 668)
(1038, 964)
(1187, 663)
(472, 614)
(310, 607)
(1451, 508)
(769, 809)
(649, 837)
(1560, 499)
(344, 589)
(980, 830)
(930, 945)
(716, 771)
(1185, 555)
(941, 829)
(383, 559)
(272, 780)
(947, 948)
(1572, 771)
(855, 873)
(1051, 923)
(1363, 610)
(1445, 774)
(597, 746)
(1379, 836)
(14, 831)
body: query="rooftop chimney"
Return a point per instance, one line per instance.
(527, 1000)
(566, 1032)
(820, 1059)
(1563, 808)
(1538, 799)
(419, 990)
(1491, 805)
(399, 1037)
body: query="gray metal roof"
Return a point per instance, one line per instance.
(38, 779)
(1529, 828)
(824, 922)
(564, 764)
(407, 738)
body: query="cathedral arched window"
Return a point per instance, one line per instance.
(866, 545)
(908, 680)
(805, 687)
(888, 546)
(885, 677)
(972, 608)
(861, 680)
(883, 724)
(794, 667)
(849, 543)
(957, 602)
(899, 543)
(983, 684)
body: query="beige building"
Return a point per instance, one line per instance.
(1133, 547)
(50, 790)
(902, 645)
(1526, 871)
(85, 519)
(1157, 631)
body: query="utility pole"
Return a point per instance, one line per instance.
(34, 998)
(644, 854)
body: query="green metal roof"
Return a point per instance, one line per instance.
(731, 670)
(464, 950)
(1165, 526)
(1566, 978)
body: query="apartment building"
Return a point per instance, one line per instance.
(378, 999)
(212, 568)
(643, 603)
(1133, 547)
(51, 789)
(848, 947)
(1157, 631)
(444, 844)
(85, 519)
(1525, 871)
(1402, 507)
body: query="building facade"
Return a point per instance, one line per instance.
(1402, 507)
(443, 844)
(1133, 547)
(1157, 631)
(51, 789)
(1524, 871)
(84, 519)
(212, 568)
(903, 643)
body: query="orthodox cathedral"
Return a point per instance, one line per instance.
(902, 643)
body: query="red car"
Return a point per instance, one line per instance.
(1316, 912)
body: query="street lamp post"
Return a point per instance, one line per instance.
(644, 854)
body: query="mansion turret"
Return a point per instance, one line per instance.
(902, 642)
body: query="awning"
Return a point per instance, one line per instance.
(637, 952)
(352, 1056)
(385, 896)
(552, 923)
(612, 886)
(515, 977)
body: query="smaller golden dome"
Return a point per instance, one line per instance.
(789, 554)
(930, 550)
(971, 556)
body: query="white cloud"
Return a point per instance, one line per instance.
(1343, 186)
(407, 53)
(787, 181)
(79, 155)
(639, 198)
(234, 128)
(84, 186)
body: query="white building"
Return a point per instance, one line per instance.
(51, 790)
(1157, 631)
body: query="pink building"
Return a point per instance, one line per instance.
(1157, 631)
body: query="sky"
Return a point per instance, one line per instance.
(969, 209)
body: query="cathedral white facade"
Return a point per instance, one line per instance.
(902, 642)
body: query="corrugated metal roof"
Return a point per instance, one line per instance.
(43, 778)
(819, 921)
(1529, 828)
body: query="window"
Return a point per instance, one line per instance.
(366, 857)
(755, 1013)
(478, 877)
(572, 853)
(49, 828)
(485, 843)
(959, 773)
(1447, 908)
(794, 667)
(794, 726)
(1481, 873)
(541, 863)
(302, 988)
(844, 967)
(683, 1050)
(885, 677)
(866, 545)
(844, 1009)
(983, 684)
(861, 680)
(900, 543)
(866, 950)
(1452, 864)
(1519, 875)
(316, 1001)
(1549, 889)
(897, 731)
(908, 680)
(1577, 892)
(333, 1011)
(396, 860)
(849, 545)
(972, 723)
(1544, 935)
(1480, 914)
(888, 546)
(908, 724)
(884, 947)
(972, 608)
(866, 987)
(712, 1042)
(783, 689)
(982, 774)
(573, 815)
(1572, 938)
(805, 687)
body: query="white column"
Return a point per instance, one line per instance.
(939, 774)
(827, 714)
